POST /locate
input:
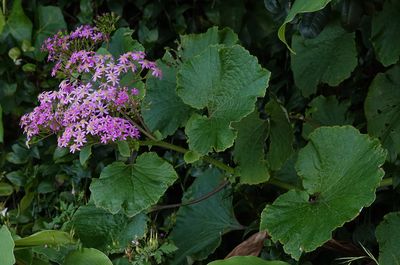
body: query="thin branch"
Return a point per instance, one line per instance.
(201, 198)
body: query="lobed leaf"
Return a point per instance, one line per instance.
(225, 89)
(340, 169)
(132, 188)
(329, 58)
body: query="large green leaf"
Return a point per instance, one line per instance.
(299, 6)
(122, 41)
(162, 109)
(199, 227)
(388, 234)
(249, 149)
(194, 44)
(6, 246)
(18, 23)
(87, 256)
(329, 58)
(340, 169)
(132, 188)
(382, 109)
(225, 88)
(246, 260)
(384, 35)
(97, 228)
(326, 111)
(46, 237)
(50, 20)
(281, 135)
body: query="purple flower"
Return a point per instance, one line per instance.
(87, 106)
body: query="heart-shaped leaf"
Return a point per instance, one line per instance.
(340, 169)
(132, 188)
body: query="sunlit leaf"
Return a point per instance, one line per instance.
(6, 246)
(225, 89)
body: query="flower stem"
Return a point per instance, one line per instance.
(214, 162)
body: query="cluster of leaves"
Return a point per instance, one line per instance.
(306, 150)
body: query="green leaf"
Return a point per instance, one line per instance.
(340, 169)
(326, 111)
(194, 44)
(97, 228)
(199, 227)
(246, 260)
(87, 256)
(191, 157)
(2, 21)
(6, 246)
(162, 109)
(384, 35)
(225, 88)
(6, 189)
(122, 42)
(85, 154)
(329, 58)
(387, 234)
(249, 149)
(46, 237)
(281, 135)
(18, 23)
(299, 6)
(133, 188)
(382, 110)
(50, 20)
(1, 126)
(123, 148)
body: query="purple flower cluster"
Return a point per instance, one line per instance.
(77, 113)
(88, 105)
(84, 37)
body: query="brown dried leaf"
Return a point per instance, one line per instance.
(250, 247)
